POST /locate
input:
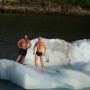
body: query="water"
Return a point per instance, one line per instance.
(8, 85)
(13, 28)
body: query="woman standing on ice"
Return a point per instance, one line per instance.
(39, 46)
(22, 44)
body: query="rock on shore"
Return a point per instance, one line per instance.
(48, 9)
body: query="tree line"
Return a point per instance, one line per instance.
(74, 2)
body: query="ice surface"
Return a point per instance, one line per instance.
(26, 77)
(71, 59)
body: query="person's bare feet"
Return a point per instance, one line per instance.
(43, 70)
(36, 69)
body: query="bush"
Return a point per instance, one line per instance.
(84, 3)
(74, 2)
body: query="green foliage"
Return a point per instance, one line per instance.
(74, 2)
(85, 3)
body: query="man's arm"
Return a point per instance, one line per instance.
(29, 44)
(19, 43)
(34, 48)
(44, 49)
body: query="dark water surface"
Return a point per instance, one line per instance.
(8, 85)
(13, 27)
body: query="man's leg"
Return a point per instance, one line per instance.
(23, 58)
(41, 59)
(36, 59)
(18, 58)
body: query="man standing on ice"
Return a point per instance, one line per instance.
(39, 46)
(23, 45)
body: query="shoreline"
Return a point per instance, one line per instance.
(45, 9)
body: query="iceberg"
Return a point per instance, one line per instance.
(67, 65)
